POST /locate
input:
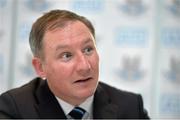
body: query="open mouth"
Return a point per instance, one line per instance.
(83, 80)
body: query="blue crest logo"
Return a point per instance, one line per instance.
(173, 74)
(133, 7)
(170, 37)
(37, 5)
(131, 36)
(174, 7)
(170, 104)
(131, 69)
(88, 6)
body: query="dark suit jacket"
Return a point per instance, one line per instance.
(35, 100)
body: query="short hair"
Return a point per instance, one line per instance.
(50, 21)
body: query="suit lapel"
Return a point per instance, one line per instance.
(48, 106)
(103, 107)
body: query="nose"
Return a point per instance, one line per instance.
(83, 66)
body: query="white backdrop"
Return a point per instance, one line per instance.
(138, 42)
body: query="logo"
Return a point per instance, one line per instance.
(131, 69)
(169, 104)
(174, 7)
(37, 5)
(133, 7)
(88, 6)
(130, 36)
(173, 74)
(170, 37)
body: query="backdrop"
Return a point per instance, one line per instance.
(138, 42)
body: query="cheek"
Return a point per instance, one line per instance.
(62, 70)
(95, 62)
(59, 76)
(96, 58)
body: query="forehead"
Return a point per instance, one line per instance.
(70, 33)
(70, 28)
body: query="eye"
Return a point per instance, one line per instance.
(88, 50)
(66, 56)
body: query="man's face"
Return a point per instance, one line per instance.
(71, 63)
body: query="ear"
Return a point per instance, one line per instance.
(38, 66)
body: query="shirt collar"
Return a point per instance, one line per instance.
(86, 105)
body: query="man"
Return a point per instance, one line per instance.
(67, 63)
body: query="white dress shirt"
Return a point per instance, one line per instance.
(86, 105)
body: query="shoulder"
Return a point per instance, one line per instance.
(116, 92)
(124, 99)
(21, 97)
(25, 91)
(129, 104)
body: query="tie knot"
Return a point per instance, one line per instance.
(77, 113)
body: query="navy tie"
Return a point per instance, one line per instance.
(77, 113)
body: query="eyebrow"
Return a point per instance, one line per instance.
(61, 47)
(66, 46)
(87, 41)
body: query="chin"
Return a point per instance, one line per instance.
(86, 93)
